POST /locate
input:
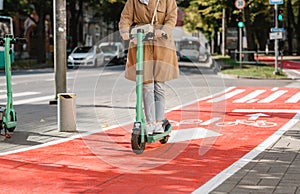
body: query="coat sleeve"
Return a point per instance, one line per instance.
(171, 16)
(126, 19)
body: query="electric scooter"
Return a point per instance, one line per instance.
(139, 136)
(8, 116)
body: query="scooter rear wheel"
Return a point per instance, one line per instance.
(13, 118)
(137, 145)
(166, 126)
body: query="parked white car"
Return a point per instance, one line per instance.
(85, 56)
(113, 52)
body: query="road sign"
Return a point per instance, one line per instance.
(240, 4)
(275, 35)
(277, 29)
(274, 2)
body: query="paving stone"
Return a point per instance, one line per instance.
(270, 181)
(285, 189)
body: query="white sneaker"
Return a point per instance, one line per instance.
(159, 128)
(150, 128)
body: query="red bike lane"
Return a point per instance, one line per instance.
(285, 64)
(220, 131)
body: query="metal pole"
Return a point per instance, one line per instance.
(223, 32)
(276, 40)
(59, 12)
(240, 46)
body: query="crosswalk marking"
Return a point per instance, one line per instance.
(249, 96)
(32, 100)
(25, 97)
(244, 96)
(20, 94)
(294, 99)
(273, 96)
(227, 96)
(258, 96)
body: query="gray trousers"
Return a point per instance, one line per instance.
(154, 101)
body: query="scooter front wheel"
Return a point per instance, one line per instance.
(137, 145)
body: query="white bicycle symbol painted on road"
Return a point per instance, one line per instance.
(198, 122)
(256, 123)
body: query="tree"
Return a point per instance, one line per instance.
(206, 17)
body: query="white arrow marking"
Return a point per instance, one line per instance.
(255, 116)
(190, 134)
(210, 121)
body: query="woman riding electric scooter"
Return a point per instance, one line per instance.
(160, 60)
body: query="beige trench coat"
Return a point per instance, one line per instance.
(160, 56)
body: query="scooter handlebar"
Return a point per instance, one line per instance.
(13, 40)
(149, 36)
(164, 35)
(19, 40)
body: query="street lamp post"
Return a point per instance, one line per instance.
(60, 25)
(276, 41)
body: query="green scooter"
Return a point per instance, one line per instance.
(8, 116)
(139, 136)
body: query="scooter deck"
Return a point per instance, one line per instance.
(159, 136)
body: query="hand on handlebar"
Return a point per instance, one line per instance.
(125, 36)
(134, 40)
(160, 34)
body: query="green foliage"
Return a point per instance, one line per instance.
(262, 71)
(22, 7)
(204, 16)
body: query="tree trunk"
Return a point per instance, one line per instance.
(290, 22)
(73, 25)
(297, 26)
(250, 33)
(41, 54)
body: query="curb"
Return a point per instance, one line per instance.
(252, 77)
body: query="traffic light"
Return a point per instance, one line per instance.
(240, 20)
(280, 18)
(280, 15)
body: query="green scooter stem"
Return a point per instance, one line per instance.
(10, 114)
(139, 82)
(139, 136)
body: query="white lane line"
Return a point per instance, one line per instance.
(294, 99)
(273, 96)
(249, 96)
(238, 165)
(227, 95)
(33, 100)
(4, 84)
(267, 110)
(20, 94)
